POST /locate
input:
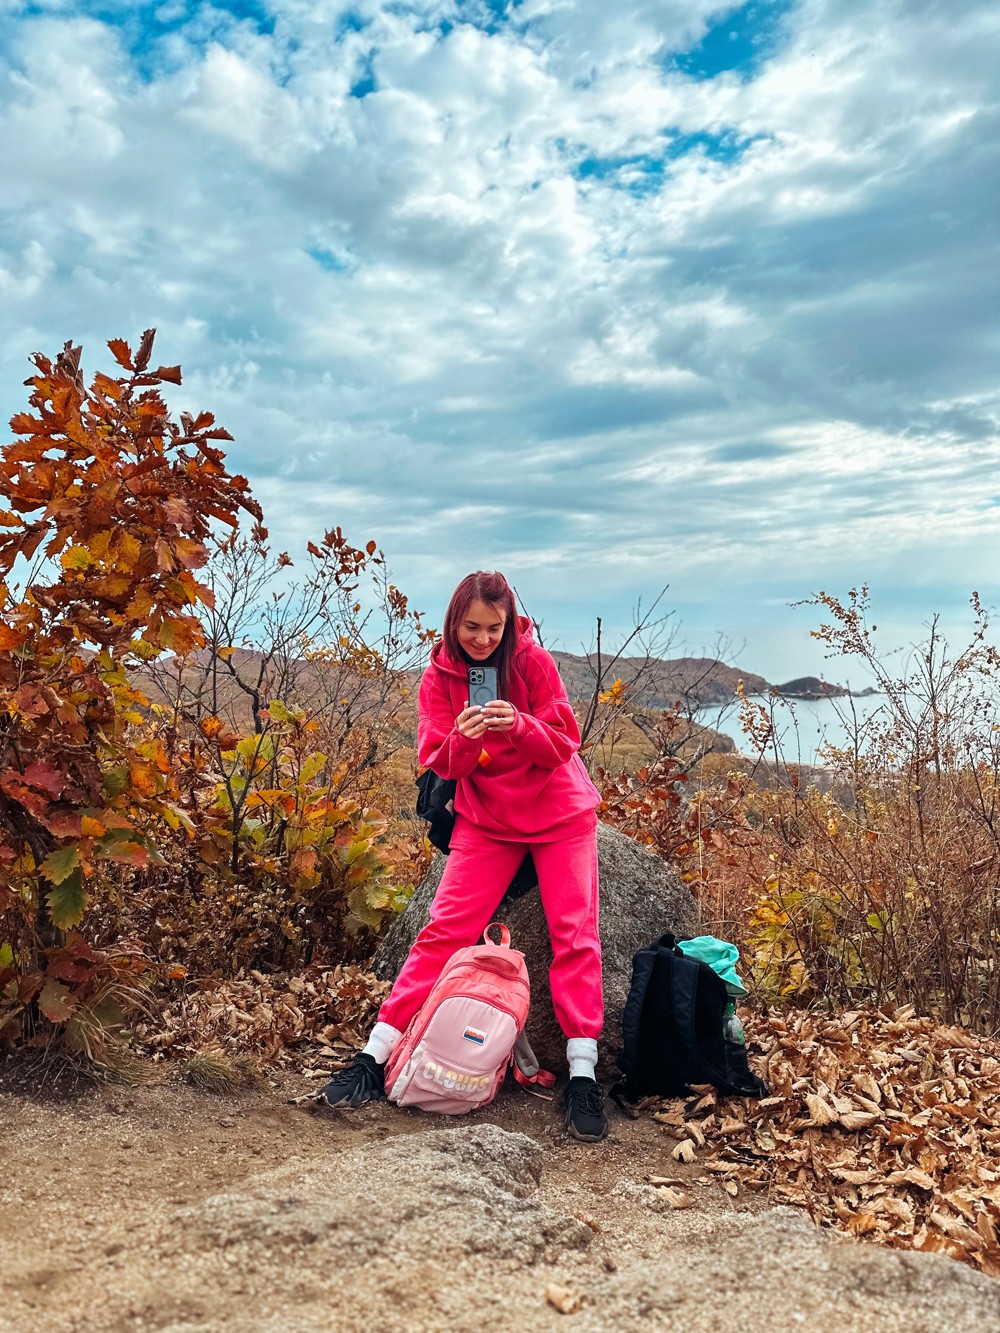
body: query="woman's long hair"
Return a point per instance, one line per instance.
(492, 588)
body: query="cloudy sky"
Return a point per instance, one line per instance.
(607, 295)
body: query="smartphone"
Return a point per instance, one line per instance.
(482, 686)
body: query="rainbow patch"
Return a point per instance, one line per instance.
(473, 1034)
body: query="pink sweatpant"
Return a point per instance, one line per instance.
(475, 879)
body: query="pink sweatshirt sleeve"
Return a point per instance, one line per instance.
(549, 735)
(440, 745)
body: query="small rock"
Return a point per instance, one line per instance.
(564, 1300)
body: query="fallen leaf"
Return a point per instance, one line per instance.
(819, 1112)
(857, 1119)
(692, 1128)
(677, 1198)
(730, 1125)
(684, 1152)
(911, 1176)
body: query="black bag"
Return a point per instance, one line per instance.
(673, 1029)
(434, 797)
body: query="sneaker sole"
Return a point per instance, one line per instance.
(345, 1103)
(586, 1138)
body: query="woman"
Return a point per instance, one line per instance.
(521, 787)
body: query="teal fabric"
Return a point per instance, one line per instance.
(719, 955)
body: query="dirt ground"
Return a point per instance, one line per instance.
(166, 1207)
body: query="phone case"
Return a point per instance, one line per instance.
(482, 686)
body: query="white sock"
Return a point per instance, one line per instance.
(382, 1042)
(581, 1052)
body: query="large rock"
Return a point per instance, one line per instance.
(641, 897)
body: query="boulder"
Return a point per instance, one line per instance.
(641, 897)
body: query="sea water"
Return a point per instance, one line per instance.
(804, 726)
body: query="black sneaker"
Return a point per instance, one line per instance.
(362, 1081)
(585, 1118)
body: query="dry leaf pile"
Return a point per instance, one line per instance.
(884, 1126)
(302, 1021)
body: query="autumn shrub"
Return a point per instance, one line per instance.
(300, 840)
(874, 877)
(113, 503)
(138, 824)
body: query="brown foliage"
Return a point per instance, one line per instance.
(883, 1125)
(206, 822)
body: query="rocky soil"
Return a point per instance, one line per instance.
(165, 1207)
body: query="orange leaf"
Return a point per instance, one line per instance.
(129, 853)
(143, 778)
(121, 351)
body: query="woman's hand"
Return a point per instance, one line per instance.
(500, 715)
(496, 716)
(471, 722)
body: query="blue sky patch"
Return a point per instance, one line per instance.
(724, 146)
(644, 173)
(365, 82)
(639, 174)
(327, 259)
(142, 27)
(350, 21)
(739, 41)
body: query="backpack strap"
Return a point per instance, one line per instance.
(643, 963)
(527, 1073)
(667, 941)
(642, 969)
(504, 935)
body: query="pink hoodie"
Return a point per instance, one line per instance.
(534, 782)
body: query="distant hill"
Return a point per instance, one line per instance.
(662, 682)
(651, 683)
(811, 687)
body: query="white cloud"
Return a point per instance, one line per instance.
(765, 365)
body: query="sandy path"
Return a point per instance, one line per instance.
(163, 1207)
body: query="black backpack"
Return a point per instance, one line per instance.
(434, 795)
(673, 1029)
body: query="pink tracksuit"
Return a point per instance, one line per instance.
(521, 790)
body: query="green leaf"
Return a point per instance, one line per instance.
(115, 780)
(357, 902)
(143, 649)
(177, 818)
(6, 955)
(278, 711)
(56, 1002)
(311, 767)
(60, 864)
(68, 901)
(357, 849)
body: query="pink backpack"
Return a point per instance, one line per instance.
(455, 1052)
